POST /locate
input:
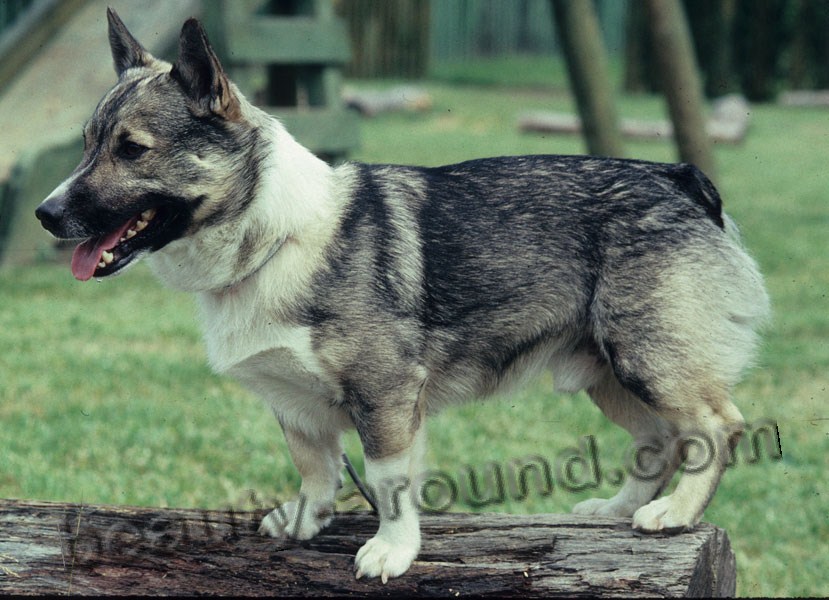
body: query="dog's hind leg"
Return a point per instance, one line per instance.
(680, 344)
(679, 415)
(677, 323)
(651, 461)
(709, 427)
(318, 459)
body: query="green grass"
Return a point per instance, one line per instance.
(105, 396)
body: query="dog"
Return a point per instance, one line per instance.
(369, 296)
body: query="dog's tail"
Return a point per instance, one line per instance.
(693, 182)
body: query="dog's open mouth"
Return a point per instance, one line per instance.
(107, 254)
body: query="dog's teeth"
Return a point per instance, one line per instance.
(107, 257)
(101, 265)
(130, 233)
(148, 214)
(140, 226)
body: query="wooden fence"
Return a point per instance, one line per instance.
(402, 38)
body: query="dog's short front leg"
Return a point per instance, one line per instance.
(392, 480)
(318, 460)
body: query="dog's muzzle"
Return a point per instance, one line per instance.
(50, 214)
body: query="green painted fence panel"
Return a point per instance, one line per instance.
(300, 40)
(465, 29)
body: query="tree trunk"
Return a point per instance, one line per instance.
(710, 22)
(638, 70)
(680, 80)
(759, 42)
(578, 30)
(50, 548)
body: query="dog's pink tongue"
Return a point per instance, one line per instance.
(87, 255)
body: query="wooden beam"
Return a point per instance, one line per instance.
(50, 548)
(804, 98)
(371, 103)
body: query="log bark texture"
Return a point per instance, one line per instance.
(50, 548)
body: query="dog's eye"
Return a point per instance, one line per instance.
(131, 150)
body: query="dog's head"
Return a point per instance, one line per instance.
(163, 148)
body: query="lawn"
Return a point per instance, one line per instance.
(105, 396)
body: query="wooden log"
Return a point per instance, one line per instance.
(52, 548)
(370, 103)
(804, 98)
(728, 123)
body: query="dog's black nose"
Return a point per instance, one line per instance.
(50, 214)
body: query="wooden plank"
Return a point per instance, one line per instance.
(50, 548)
(288, 40)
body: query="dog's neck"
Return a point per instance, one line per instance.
(244, 276)
(302, 200)
(293, 212)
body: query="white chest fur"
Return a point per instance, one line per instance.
(272, 359)
(298, 202)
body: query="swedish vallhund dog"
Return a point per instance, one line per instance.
(369, 296)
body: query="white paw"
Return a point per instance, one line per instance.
(379, 558)
(298, 520)
(611, 507)
(664, 514)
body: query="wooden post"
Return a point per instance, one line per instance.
(680, 80)
(50, 548)
(578, 29)
(288, 57)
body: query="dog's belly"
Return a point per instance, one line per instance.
(574, 368)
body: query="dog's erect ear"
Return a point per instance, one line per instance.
(126, 51)
(201, 76)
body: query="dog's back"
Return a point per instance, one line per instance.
(493, 264)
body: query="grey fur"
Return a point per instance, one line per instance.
(402, 289)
